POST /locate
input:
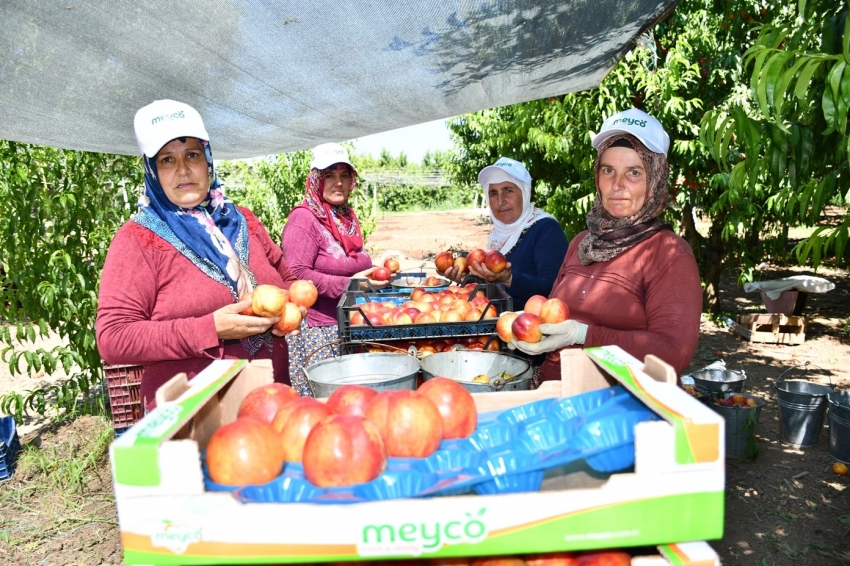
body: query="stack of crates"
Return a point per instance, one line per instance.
(9, 446)
(123, 383)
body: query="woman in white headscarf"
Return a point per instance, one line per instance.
(531, 239)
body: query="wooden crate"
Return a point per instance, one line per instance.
(771, 328)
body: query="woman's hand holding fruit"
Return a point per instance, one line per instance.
(375, 280)
(554, 337)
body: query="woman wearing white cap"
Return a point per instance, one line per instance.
(322, 242)
(532, 240)
(628, 280)
(174, 273)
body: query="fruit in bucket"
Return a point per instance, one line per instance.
(268, 300)
(343, 450)
(246, 451)
(265, 401)
(392, 264)
(455, 404)
(443, 261)
(495, 261)
(409, 423)
(303, 293)
(351, 399)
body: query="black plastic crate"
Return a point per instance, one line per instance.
(9, 447)
(351, 334)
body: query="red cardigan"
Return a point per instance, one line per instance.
(647, 300)
(155, 308)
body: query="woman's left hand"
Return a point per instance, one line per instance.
(480, 270)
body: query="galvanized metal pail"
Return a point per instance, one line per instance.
(839, 425)
(381, 372)
(506, 372)
(802, 409)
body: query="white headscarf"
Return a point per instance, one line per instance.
(504, 237)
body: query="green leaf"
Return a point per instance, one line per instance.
(845, 44)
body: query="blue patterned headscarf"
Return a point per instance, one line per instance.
(212, 235)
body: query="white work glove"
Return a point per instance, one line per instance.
(555, 337)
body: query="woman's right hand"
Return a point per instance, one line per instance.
(376, 284)
(453, 274)
(230, 324)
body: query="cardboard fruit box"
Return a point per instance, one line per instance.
(673, 494)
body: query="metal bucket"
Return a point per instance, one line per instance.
(802, 408)
(381, 372)
(839, 425)
(717, 382)
(740, 427)
(463, 365)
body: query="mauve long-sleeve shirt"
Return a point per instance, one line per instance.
(312, 253)
(647, 300)
(155, 308)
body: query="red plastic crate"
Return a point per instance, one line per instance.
(123, 382)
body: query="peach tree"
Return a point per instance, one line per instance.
(58, 212)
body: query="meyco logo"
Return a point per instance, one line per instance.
(415, 539)
(168, 117)
(176, 538)
(630, 122)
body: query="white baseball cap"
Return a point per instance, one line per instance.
(327, 154)
(164, 120)
(637, 123)
(503, 170)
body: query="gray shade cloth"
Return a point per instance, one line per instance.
(270, 77)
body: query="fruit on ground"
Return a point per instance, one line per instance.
(392, 264)
(554, 311)
(343, 450)
(443, 261)
(551, 559)
(381, 274)
(351, 399)
(298, 426)
(409, 423)
(534, 304)
(268, 300)
(290, 318)
(476, 256)
(455, 404)
(526, 327)
(503, 325)
(495, 261)
(839, 468)
(303, 293)
(246, 451)
(265, 401)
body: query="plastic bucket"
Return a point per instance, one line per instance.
(802, 408)
(839, 425)
(740, 428)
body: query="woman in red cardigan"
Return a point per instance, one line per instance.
(628, 280)
(174, 273)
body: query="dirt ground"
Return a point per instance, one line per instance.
(785, 507)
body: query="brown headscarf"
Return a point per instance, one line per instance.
(610, 236)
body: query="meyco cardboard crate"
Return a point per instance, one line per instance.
(352, 299)
(674, 493)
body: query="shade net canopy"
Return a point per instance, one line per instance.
(270, 77)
